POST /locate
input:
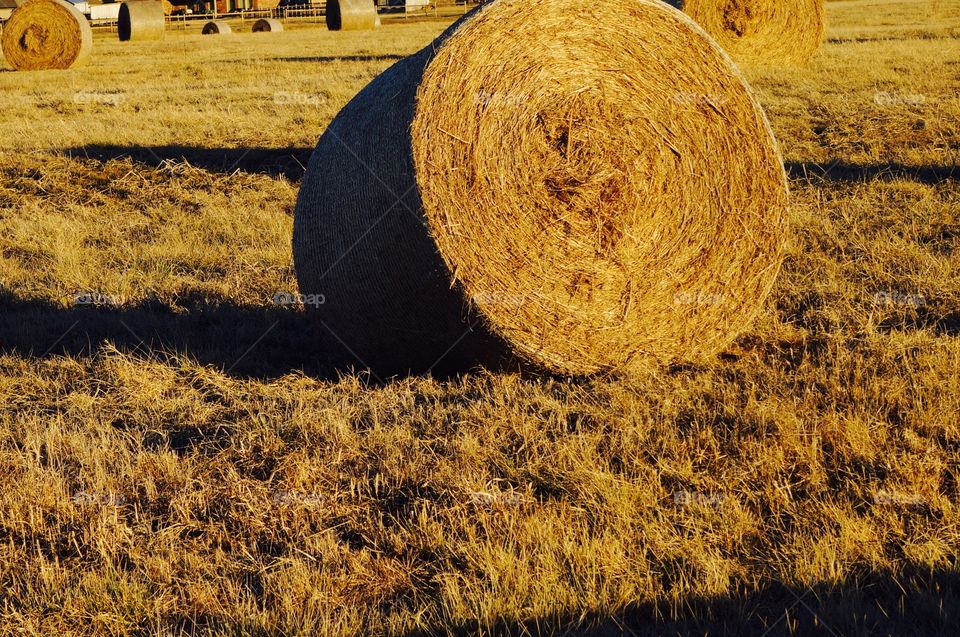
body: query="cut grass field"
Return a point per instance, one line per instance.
(176, 457)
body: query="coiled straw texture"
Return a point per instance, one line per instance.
(46, 34)
(762, 32)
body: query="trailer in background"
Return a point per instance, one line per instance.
(104, 13)
(403, 6)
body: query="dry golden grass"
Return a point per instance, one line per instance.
(176, 459)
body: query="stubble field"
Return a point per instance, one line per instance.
(178, 457)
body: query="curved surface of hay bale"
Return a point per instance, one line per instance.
(574, 204)
(761, 32)
(46, 34)
(267, 25)
(352, 15)
(216, 27)
(141, 21)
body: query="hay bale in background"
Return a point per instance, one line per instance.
(761, 32)
(46, 34)
(141, 20)
(216, 27)
(352, 15)
(267, 25)
(580, 204)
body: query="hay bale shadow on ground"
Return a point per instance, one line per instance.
(857, 173)
(244, 341)
(289, 163)
(915, 603)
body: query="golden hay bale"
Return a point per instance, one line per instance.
(761, 32)
(577, 204)
(352, 15)
(140, 21)
(46, 34)
(267, 25)
(216, 27)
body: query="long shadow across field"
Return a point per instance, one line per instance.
(918, 604)
(856, 173)
(241, 340)
(389, 57)
(290, 163)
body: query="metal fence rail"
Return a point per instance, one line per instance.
(303, 13)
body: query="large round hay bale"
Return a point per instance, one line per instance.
(577, 204)
(141, 20)
(216, 27)
(352, 15)
(761, 32)
(267, 25)
(46, 34)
